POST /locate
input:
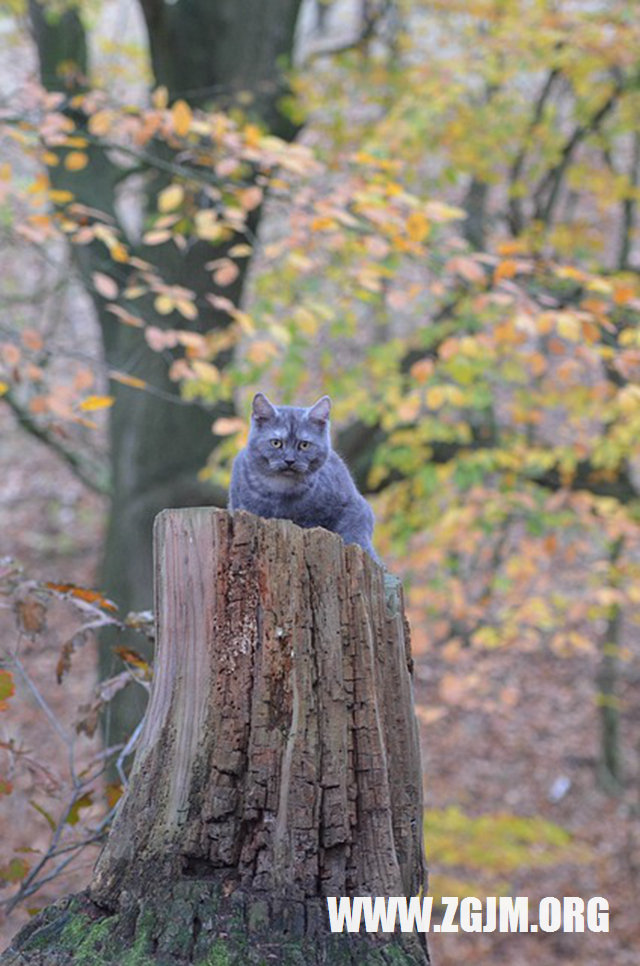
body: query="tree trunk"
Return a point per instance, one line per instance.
(279, 762)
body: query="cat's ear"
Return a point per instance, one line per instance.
(320, 411)
(262, 408)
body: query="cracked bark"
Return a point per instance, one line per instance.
(279, 761)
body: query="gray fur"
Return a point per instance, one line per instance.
(310, 485)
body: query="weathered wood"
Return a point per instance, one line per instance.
(279, 760)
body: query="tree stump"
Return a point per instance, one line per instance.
(278, 764)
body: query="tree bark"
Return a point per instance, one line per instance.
(279, 762)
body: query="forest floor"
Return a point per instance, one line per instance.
(504, 734)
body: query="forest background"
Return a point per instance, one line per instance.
(427, 210)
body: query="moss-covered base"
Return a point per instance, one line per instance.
(194, 927)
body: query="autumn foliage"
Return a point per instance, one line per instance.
(450, 250)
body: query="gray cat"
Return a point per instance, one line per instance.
(289, 470)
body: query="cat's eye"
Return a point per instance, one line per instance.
(276, 443)
(304, 444)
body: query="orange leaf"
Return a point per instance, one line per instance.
(250, 198)
(506, 269)
(126, 317)
(32, 340)
(82, 593)
(126, 380)
(225, 426)
(10, 353)
(114, 793)
(83, 379)
(129, 656)
(422, 369)
(226, 273)
(623, 294)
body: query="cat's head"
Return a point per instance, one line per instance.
(289, 441)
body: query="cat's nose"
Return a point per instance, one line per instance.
(290, 462)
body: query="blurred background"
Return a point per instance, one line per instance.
(428, 210)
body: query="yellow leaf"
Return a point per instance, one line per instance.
(92, 403)
(207, 226)
(118, 252)
(4, 388)
(192, 340)
(600, 285)
(306, 321)
(182, 115)
(170, 198)
(187, 309)
(418, 226)
(322, 223)
(76, 161)
(439, 211)
(163, 304)
(60, 197)
(568, 271)
(280, 333)
(568, 326)
(100, 122)
(252, 135)
(435, 397)
(160, 98)
(244, 320)
(240, 251)
(261, 351)
(629, 399)
(206, 371)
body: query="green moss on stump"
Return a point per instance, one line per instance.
(78, 933)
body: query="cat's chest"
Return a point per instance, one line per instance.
(307, 503)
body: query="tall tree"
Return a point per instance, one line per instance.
(202, 53)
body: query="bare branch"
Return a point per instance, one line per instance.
(546, 192)
(629, 207)
(516, 218)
